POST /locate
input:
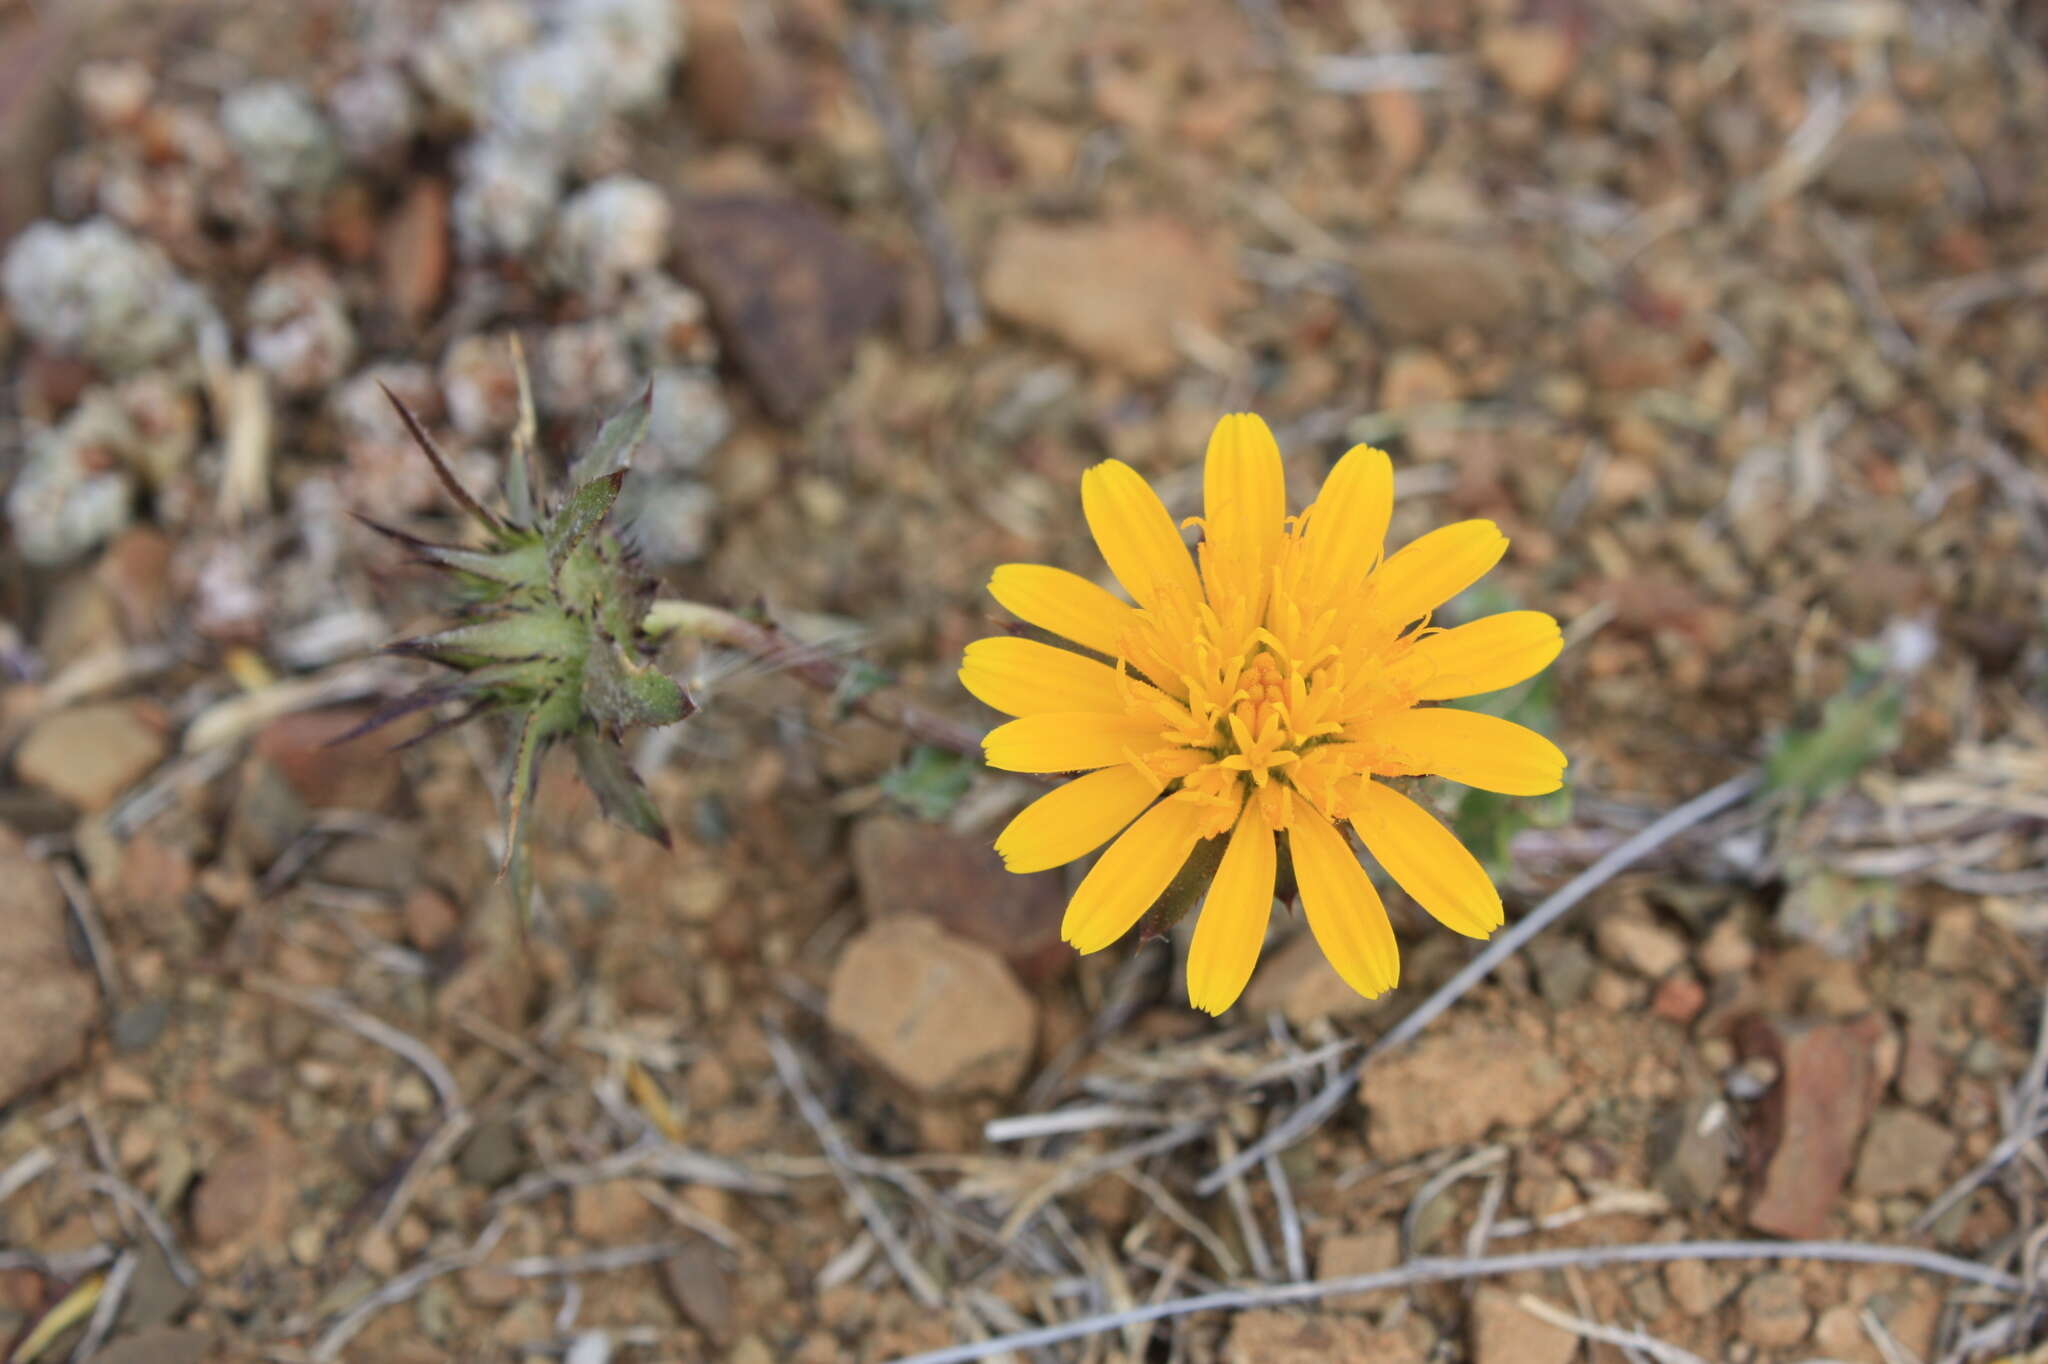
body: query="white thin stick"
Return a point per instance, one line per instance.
(1653, 836)
(1059, 1122)
(790, 1068)
(112, 1294)
(398, 1290)
(25, 1171)
(335, 1009)
(1662, 1351)
(159, 1230)
(1441, 1271)
(1290, 1219)
(595, 1262)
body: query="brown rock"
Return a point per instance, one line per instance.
(1808, 1123)
(37, 53)
(1300, 982)
(1952, 940)
(1118, 292)
(1773, 1311)
(702, 1289)
(1904, 1152)
(1370, 1251)
(791, 292)
(1696, 1286)
(159, 1345)
(413, 252)
(1641, 944)
(51, 1002)
(247, 1195)
(431, 919)
(1416, 377)
(1923, 1069)
(1531, 61)
(1504, 1079)
(609, 1212)
(90, 755)
(1689, 1150)
(1419, 286)
(1882, 168)
(1503, 1333)
(1679, 999)
(356, 775)
(1266, 1336)
(941, 1014)
(1839, 1335)
(743, 85)
(908, 866)
(135, 571)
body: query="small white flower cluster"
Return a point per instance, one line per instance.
(545, 91)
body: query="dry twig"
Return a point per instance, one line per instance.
(1417, 1272)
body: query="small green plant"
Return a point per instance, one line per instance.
(551, 605)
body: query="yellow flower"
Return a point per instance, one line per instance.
(1261, 692)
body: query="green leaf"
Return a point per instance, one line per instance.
(531, 728)
(579, 516)
(612, 449)
(547, 635)
(1855, 730)
(619, 792)
(860, 679)
(931, 782)
(619, 692)
(520, 564)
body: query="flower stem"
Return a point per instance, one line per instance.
(775, 647)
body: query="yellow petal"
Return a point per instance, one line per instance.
(1429, 571)
(1075, 819)
(1026, 677)
(1244, 498)
(1427, 860)
(1065, 603)
(1479, 750)
(1343, 910)
(1118, 890)
(1232, 926)
(1349, 524)
(1068, 741)
(1488, 654)
(1136, 535)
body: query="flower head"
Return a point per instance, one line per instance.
(1258, 695)
(551, 623)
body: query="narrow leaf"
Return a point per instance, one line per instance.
(617, 787)
(507, 638)
(612, 448)
(523, 771)
(1854, 732)
(441, 469)
(579, 516)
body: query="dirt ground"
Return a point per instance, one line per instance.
(1731, 314)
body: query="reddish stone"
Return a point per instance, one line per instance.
(1679, 999)
(1806, 1129)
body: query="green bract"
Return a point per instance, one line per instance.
(550, 625)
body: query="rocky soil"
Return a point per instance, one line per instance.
(1729, 313)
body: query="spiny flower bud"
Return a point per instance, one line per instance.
(549, 624)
